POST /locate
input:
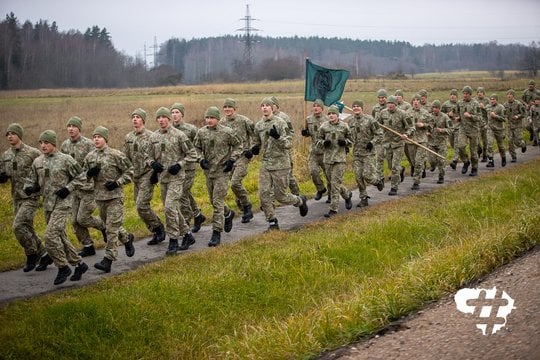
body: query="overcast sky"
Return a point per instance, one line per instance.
(135, 23)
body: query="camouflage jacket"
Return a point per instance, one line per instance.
(136, 146)
(399, 121)
(496, 122)
(17, 164)
(528, 96)
(405, 106)
(78, 150)
(334, 132)
(514, 108)
(115, 166)
(482, 104)
(473, 109)
(534, 113)
(313, 124)
(243, 128)
(426, 107)
(451, 109)
(420, 116)
(377, 108)
(440, 121)
(217, 145)
(274, 152)
(191, 131)
(171, 146)
(364, 129)
(52, 172)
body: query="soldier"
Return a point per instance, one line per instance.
(365, 132)
(438, 138)
(420, 118)
(469, 119)
(393, 144)
(111, 170)
(378, 147)
(220, 148)
(190, 209)
(315, 158)
(401, 103)
(171, 149)
(424, 100)
(136, 145)
(495, 131)
(56, 176)
(293, 183)
(243, 128)
(483, 102)
(334, 137)
(15, 164)
(534, 112)
(450, 107)
(515, 113)
(273, 140)
(528, 98)
(84, 204)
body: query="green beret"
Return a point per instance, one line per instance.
(382, 92)
(531, 82)
(467, 89)
(453, 92)
(179, 107)
(212, 112)
(399, 92)
(102, 131)
(511, 92)
(275, 100)
(267, 101)
(48, 136)
(392, 99)
(480, 89)
(140, 112)
(163, 111)
(319, 102)
(230, 103)
(16, 129)
(422, 93)
(333, 109)
(436, 104)
(75, 121)
(494, 96)
(359, 103)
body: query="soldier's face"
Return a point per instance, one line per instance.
(480, 95)
(73, 131)
(510, 97)
(266, 110)
(12, 138)
(99, 141)
(46, 147)
(436, 110)
(333, 117)
(163, 121)
(416, 103)
(466, 96)
(391, 107)
(228, 110)
(493, 101)
(316, 109)
(176, 115)
(137, 122)
(381, 100)
(531, 87)
(211, 121)
(357, 109)
(453, 98)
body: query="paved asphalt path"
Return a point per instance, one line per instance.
(19, 285)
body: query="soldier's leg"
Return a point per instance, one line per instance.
(55, 236)
(85, 219)
(143, 200)
(394, 160)
(281, 182)
(512, 143)
(419, 161)
(219, 192)
(499, 137)
(462, 146)
(187, 208)
(265, 194)
(175, 224)
(23, 227)
(358, 170)
(441, 164)
(293, 183)
(410, 154)
(239, 172)
(115, 219)
(473, 144)
(315, 172)
(455, 144)
(334, 185)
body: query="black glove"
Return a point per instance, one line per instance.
(255, 149)
(154, 178)
(248, 154)
(93, 171)
(3, 177)
(305, 132)
(327, 143)
(111, 185)
(29, 190)
(156, 166)
(273, 132)
(174, 169)
(62, 193)
(229, 164)
(347, 150)
(369, 146)
(341, 142)
(204, 164)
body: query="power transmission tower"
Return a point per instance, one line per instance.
(248, 37)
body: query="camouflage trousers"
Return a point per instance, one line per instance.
(273, 184)
(171, 195)
(380, 156)
(57, 244)
(315, 165)
(293, 183)
(238, 174)
(111, 213)
(393, 154)
(217, 191)
(188, 205)
(420, 158)
(441, 148)
(82, 207)
(335, 174)
(515, 139)
(494, 135)
(454, 143)
(468, 137)
(410, 154)
(143, 192)
(23, 226)
(482, 140)
(364, 172)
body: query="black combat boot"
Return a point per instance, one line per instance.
(227, 226)
(303, 207)
(159, 235)
(87, 251)
(393, 192)
(363, 201)
(319, 194)
(453, 164)
(348, 201)
(187, 241)
(128, 245)
(474, 172)
(503, 161)
(330, 213)
(415, 186)
(44, 261)
(272, 225)
(380, 184)
(441, 179)
(62, 275)
(104, 265)
(198, 220)
(490, 163)
(31, 261)
(80, 269)
(173, 247)
(215, 240)
(247, 215)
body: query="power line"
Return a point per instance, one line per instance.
(248, 37)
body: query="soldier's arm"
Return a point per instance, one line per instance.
(191, 154)
(76, 174)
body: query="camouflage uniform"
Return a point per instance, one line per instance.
(315, 157)
(335, 157)
(217, 146)
(83, 200)
(534, 112)
(378, 146)
(136, 147)
(51, 173)
(16, 163)
(496, 131)
(528, 97)
(293, 183)
(515, 126)
(468, 133)
(405, 106)
(364, 130)
(450, 108)
(442, 127)
(414, 153)
(482, 137)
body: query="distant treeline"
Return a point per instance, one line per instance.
(39, 56)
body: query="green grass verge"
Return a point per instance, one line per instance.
(290, 294)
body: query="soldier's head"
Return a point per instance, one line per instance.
(163, 117)
(423, 96)
(510, 94)
(493, 99)
(229, 107)
(177, 112)
(415, 101)
(392, 103)
(267, 107)
(436, 107)
(467, 93)
(138, 118)
(212, 116)
(318, 107)
(333, 113)
(14, 134)
(47, 141)
(74, 127)
(453, 95)
(100, 137)
(275, 101)
(399, 95)
(532, 85)
(381, 96)
(358, 107)
(480, 92)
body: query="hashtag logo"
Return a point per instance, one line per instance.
(490, 306)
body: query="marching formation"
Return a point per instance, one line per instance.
(83, 174)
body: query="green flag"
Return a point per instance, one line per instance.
(325, 84)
